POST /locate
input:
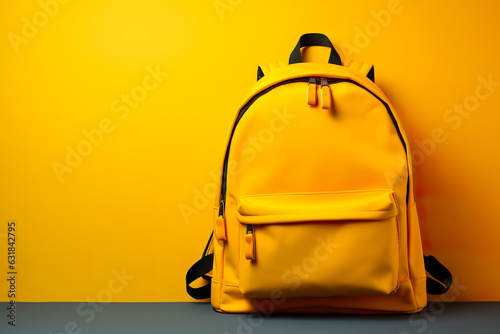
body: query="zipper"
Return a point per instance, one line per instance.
(220, 223)
(325, 82)
(326, 95)
(312, 98)
(240, 114)
(250, 243)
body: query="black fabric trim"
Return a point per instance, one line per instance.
(314, 40)
(199, 269)
(441, 278)
(208, 244)
(371, 74)
(205, 251)
(260, 74)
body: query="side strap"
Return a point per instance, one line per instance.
(201, 269)
(209, 249)
(440, 280)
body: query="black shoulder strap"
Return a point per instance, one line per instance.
(199, 270)
(440, 278)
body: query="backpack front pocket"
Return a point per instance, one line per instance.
(342, 243)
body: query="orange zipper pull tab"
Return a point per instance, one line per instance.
(312, 98)
(220, 223)
(250, 243)
(326, 96)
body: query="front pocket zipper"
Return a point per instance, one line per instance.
(250, 243)
(319, 244)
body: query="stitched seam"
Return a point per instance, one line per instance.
(234, 285)
(408, 210)
(226, 284)
(221, 274)
(240, 252)
(316, 193)
(395, 201)
(413, 280)
(314, 213)
(399, 254)
(222, 264)
(209, 245)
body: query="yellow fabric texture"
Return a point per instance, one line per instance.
(319, 211)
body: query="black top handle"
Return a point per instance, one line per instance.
(314, 40)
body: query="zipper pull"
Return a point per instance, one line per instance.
(312, 98)
(326, 96)
(220, 223)
(250, 243)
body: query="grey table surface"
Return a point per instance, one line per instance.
(179, 318)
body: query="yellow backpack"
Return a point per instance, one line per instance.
(316, 210)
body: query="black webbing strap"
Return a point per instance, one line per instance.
(200, 270)
(371, 74)
(440, 280)
(202, 267)
(314, 40)
(260, 73)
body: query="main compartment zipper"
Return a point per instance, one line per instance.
(325, 82)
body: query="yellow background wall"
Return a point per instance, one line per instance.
(139, 200)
